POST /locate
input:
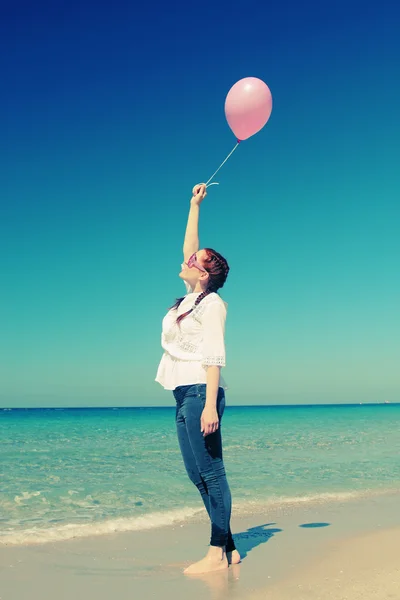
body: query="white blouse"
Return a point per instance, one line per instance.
(193, 345)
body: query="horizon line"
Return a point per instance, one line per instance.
(348, 404)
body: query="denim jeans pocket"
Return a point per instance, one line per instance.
(202, 394)
(201, 390)
(192, 392)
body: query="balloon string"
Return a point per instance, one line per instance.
(220, 166)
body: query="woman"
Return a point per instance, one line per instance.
(194, 353)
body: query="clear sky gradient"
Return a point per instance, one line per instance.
(111, 112)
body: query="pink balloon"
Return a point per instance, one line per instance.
(248, 107)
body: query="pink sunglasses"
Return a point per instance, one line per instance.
(192, 262)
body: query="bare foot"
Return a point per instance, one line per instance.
(233, 557)
(215, 560)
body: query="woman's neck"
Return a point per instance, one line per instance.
(198, 289)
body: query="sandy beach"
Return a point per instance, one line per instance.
(339, 550)
(364, 567)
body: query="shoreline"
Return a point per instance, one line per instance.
(278, 547)
(186, 516)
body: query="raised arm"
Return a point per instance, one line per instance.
(191, 241)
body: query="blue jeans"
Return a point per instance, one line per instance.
(202, 457)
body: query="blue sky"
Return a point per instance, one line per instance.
(110, 114)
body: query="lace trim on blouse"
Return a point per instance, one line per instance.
(198, 311)
(214, 361)
(186, 346)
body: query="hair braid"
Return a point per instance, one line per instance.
(202, 296)
(197, 302)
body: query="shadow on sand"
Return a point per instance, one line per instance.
(247, 540)
(313, 525)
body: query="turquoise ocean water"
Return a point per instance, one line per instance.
(78, 472)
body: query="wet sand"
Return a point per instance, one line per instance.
(339, 550)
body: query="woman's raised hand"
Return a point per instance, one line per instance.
(199, 193)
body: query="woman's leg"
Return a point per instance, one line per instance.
(208, 462)
(193, 471)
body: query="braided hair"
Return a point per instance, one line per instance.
(217, 268)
